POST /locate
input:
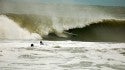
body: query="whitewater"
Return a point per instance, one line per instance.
(61, 55)
(10, 30)
(23, 25)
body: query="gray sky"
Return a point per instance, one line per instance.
(84, 2)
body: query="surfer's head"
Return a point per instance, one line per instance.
(32, 45)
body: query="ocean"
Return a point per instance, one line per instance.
(61, 55)
(75, 37)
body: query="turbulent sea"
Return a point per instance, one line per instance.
(61, 55)
(75, 37)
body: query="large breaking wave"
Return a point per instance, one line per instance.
(58, 19)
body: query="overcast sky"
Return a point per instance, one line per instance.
(84, 2)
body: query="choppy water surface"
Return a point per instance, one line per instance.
(61, 55)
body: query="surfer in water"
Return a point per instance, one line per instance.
(32, 45)
(41, 43)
